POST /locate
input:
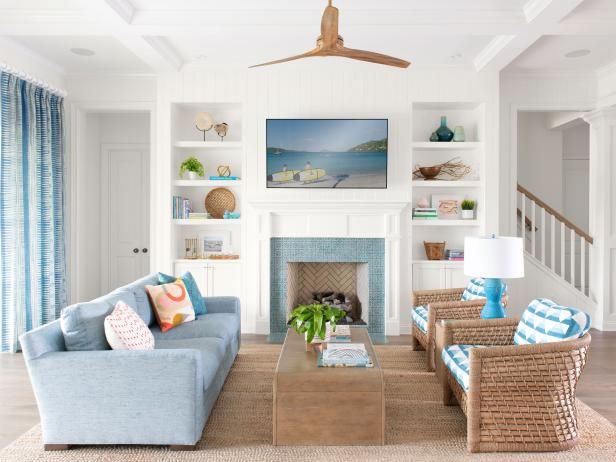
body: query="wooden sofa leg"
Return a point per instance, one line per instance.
(56, 447)
(183, 447)
(414, 342)
(430, 358)
(448, 398)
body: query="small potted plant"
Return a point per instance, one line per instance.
(191, 168)
(311, 320)
(468, 209)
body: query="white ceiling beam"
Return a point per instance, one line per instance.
(563, 119)
(160, 58)
(540, 15)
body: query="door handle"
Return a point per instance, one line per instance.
(144, 250)
(135, 250)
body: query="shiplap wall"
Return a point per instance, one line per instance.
(317, 89)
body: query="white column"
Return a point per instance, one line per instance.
(602, 225)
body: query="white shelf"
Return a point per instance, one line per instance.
(446, 146)
(207, 183)
(446, 184)
(209, 144)
(438, 262)
(445, 222)
(207, 222)
(209, 261)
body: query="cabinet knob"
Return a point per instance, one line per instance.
(144, 250)
(135, 250)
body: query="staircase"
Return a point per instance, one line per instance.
(557, 252)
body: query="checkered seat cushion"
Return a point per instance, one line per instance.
(455, 357)
(420, 317)
(545, 321)
(474, 289)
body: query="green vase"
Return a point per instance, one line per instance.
(443, 132)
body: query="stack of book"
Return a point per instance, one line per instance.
(454, 255)
(224, 178)
(199, 215)
(427, 213)
(345, 355)
(181, 208)
(342, 334)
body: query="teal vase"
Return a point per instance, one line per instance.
(443, 132)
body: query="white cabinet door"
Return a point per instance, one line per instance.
(199, 272)
(456, 278)
(226, 279)
(428, 277)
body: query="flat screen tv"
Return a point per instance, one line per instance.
(327, 153)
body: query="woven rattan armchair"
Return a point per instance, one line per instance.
(520, 397)
(441, 304)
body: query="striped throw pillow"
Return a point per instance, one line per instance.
(545, 321)
(474, 289)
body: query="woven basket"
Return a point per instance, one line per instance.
(435, 250)
(219, 200)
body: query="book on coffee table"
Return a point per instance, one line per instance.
(345, 355)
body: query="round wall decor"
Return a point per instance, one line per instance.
(218, 200)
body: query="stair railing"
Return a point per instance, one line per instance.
(560, 245)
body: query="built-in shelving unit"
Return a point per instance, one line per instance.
(425, 119)
(214, 276)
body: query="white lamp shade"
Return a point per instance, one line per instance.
(494, 257)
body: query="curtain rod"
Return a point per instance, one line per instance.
(32, 79)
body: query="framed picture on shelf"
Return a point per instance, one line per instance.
(217, 242)
(448, 206)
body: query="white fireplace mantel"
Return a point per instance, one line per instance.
(348, 219)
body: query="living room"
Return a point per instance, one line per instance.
(432, 176)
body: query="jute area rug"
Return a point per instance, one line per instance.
(418, 426)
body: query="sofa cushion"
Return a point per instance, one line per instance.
(420, 317)
(220, 325)
(171, 304)
(475, 289)
(455, 357)
(125, 330)
(143, 307)
(191, 286)
(545, 321)
(83, 324)
(212, 352)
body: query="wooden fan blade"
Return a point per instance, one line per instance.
(329, 26)
(369, 56)
(308, 54)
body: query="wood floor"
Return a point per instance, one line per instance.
(18, 411)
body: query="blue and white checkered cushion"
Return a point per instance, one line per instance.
(455, 358)
(420, 317)
(474, 289)
(545, 321)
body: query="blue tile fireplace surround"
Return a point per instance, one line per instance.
(284, 250)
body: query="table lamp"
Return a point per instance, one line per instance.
(493, 258)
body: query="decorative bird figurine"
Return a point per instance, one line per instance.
(221, 129)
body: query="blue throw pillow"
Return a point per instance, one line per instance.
(191, 287)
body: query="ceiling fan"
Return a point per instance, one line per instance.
(329, 43)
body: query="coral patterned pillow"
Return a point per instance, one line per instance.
(171, 303)
(125, 330)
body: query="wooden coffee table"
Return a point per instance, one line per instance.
(327, 405)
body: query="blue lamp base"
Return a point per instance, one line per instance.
(494, 307)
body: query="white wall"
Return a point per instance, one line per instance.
(98, 129)
(576, 155)
(320, 89)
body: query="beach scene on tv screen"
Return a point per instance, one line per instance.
(327, 153)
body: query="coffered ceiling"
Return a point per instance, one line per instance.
(146, 36)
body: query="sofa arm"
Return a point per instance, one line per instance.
(424, 297)
(222, 305)
(476, 331)
(119, 396)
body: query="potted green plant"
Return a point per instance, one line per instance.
(311, 320)
(468, 209)
(191, 168)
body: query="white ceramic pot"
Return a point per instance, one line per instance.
(191, 175)
(468, 214)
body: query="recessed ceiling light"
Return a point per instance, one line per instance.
(83, 51)
(577, 53)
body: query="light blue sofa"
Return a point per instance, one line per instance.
(159, 397)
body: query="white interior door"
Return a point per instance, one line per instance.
(125, 214)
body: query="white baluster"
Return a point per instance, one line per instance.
(583, 265)
(543, 235)
(532, 229)
(553, 243)
(563, 270)
(573, 258)
(523, 220)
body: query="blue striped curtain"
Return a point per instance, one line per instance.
(32, 251)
